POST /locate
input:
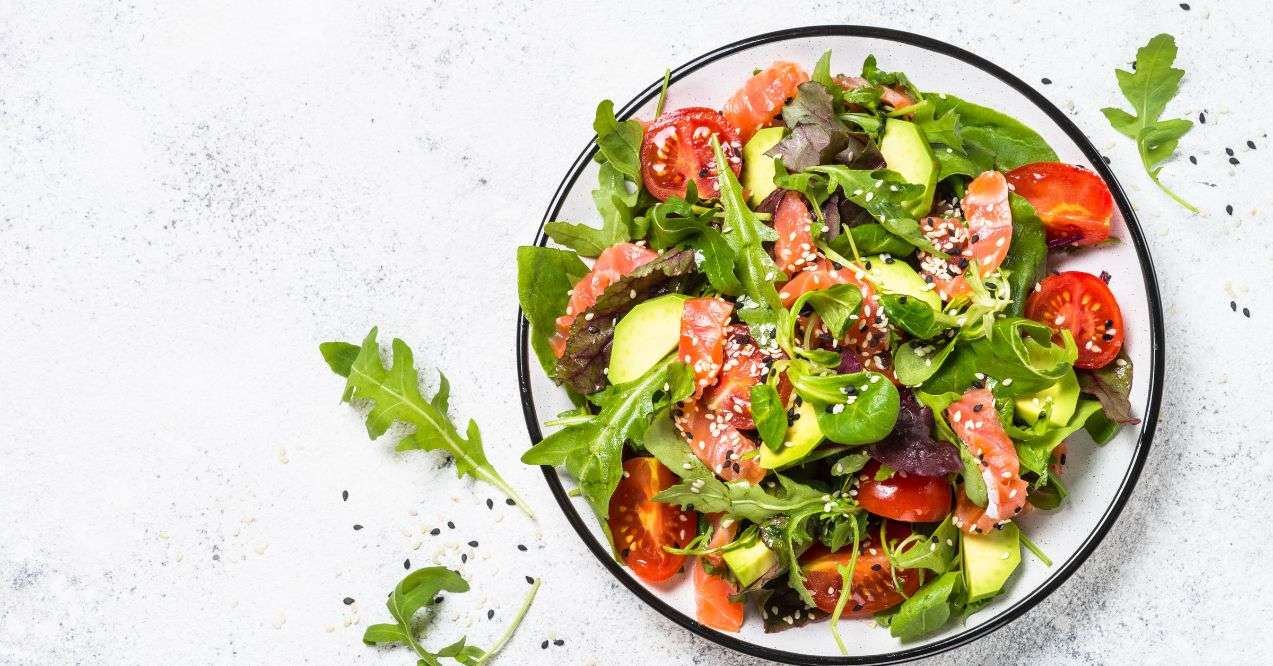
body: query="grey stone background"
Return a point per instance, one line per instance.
(193, 195)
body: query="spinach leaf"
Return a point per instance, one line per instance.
(928, 609)
(855, 408)
(1016, 353)
(1026, 262)
(754, 267)
(544, 279)
(991, 139)
(582, 364)
(1148, 87)
(770, 417)
(872, 238)
(1112, 386)
(936, 553)
(913, 315)
(951, 163)
(593, 451)
(394, 394)
(850, 464)
(619, 142)
(834, 304)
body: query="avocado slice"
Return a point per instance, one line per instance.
(758, 168)
(802, 437)
(650, 331)
(892, 276)
(906, 151)
(1056, 402)
(989, 559)
(751, 562)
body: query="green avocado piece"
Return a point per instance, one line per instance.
(751, 562)
(906, 151)
(650, 331)
(758, 168)
(893, 276)
(989, 559)
(803, 436)
(1056, 402)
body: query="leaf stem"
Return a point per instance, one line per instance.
(667, 75)
(512, 627)
(1190, 207)
(1034, 548)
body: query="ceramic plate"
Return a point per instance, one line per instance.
(1099, 478)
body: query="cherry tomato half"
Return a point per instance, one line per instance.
(642, 527)
(911, 498)
(677, 149)
(1082, 303)
(1074, 204)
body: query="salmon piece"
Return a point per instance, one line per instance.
(718, 443)
(976, 423)
(711, 593)
(761, 98)
(613, 263)
(794, 249)
(867, 337)
(986, 236)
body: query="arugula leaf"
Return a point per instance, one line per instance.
(755, 268)
(770, 417)
(544, 279)
(992, 140)
(587, 241)
(871, 72)
(593, 451)
(855, 408)
(741, 499)
(928, 609)
(1148, 88)
(1112, 385)
(882, 193)
(394, 395)
(822, 72)
(583, 363)
(935, 553)
(417, 591)
(616, 205)
(619, 142)
(1036, 452)
(942, 129)
(677, 221)
(1026, 262)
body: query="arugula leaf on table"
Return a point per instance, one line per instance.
(544, 279)
(992, 140)
(1148, 87)
(1026, 262)
(928, 609)
(416, 592)
(394, 394)
(754, 267)
(583, 363)
(1112, 385)
(592, 451)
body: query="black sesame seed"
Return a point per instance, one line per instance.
(490, 504)
(521, 547)
(1202, 117)
(1233, 305)
(344, 495)
(435, 531)
(436, 600)
(1229, 209)
(1250, 144)
(510, 501)
(1047, 81)
(490, 614)
(1233, 160)
(530, 581)
(799, 401)
(1193, 159)
(876, 567)
(450, 524)
(406, 564)
(702, 173)
(357, 527)
(559, 642)
(464, 557)
(902, 300)
(1184, 6)
(348, 601)
(857, 607)
(889, 260)
(1246, 312)
(1228, 151)
(978, 407)
(544, 645)
(473, 544)
(1062, 458)
(624, 553)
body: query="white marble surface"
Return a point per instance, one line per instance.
(191, 198)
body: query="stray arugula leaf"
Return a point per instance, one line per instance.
(394, 395)
(593, 451)
(667, 79)
(992, 140)
(417, 591)
(1026, 262)
(928, 609)
(855, 408)
(755, 268)
(770, 417)
(1112, 386)
(619, 142)
(1148, 88)
(544, 279)
(583, 363)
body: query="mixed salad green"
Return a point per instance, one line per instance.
(817, 359)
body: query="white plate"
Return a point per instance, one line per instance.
(1099, 478)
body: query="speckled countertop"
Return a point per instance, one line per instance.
(192, 198)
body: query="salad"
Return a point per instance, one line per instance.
(818, 361)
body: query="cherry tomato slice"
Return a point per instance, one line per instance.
(1074, 204)
(872, 582)
(677, 149)
(641, 526)
(702, 343)
(1082, 303)
(613, 263)
(762, 97)
(911, 498)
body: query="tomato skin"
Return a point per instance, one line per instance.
(1074, 204)
(1083, 304)
(677, 148)
(872, 582)
(613, 263)
(762, 97)
(641, 526)
(910, 498)
(702, 342)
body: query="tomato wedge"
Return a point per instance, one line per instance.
(613, 263)
(908, 497)
(986, 236)
(872, 588)
(762, 97)
(1074, 204)
(794, 250)
(642, 527)
(711, 593)
(677, 149)
(976, 423)
(702, 343)
(1083, 304)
